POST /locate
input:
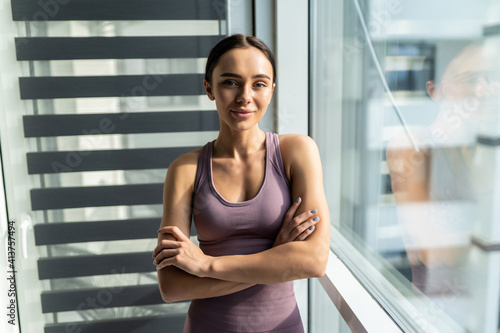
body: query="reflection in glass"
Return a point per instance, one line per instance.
(418, 192)
(436, 187)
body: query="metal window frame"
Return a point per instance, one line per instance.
(359, 309)
(288, 37)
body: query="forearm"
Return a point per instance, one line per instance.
(177, 285)
(291, 261)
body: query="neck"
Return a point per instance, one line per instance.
(232, 143)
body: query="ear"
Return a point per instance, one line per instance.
(432, 89)
(208, 89)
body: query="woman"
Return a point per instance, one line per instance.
(239, 190)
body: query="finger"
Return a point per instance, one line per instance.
(176, 260)
(296, 203)
(165, 244)
(303, 217)
(297, 231)
(165, 254)
(167, 262)
(293, 208)
(174, 231)
(303, 236)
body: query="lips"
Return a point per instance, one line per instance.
(242, 113)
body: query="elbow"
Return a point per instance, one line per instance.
(319, 269)
(313, 270)
(317, 266)
(167, 299)
(170, 293)
(171, 289)
(167, 295)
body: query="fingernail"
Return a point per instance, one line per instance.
(316, 218)
(158, 230)
(311, 227)
(154, 263)
(153, 255)
(298, 200)
(314, 211)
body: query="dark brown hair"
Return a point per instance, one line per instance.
(233, 42)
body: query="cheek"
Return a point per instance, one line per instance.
(225, 95)
(265, 97)
(223, 99)
(459, 91)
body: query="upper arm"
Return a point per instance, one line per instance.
(302, 163)
(409, 169)
(178, 192)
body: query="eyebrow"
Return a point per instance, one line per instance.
(467, 74)
(256, 76)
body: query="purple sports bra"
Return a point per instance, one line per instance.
(231, 228)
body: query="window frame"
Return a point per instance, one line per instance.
(294, 102)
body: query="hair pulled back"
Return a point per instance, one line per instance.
(234, 42)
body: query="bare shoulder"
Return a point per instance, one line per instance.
(186, 160)
(183, 169)
(291, 143)
(177, 192)
(296, 150)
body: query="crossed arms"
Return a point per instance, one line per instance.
(185, 272)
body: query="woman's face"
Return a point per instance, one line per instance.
(242, 87)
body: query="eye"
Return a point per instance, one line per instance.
(260, 85)
(229, 83)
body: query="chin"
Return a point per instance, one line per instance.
(241, 127)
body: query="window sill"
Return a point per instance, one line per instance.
(358, 308)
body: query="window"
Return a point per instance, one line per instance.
(97, 99)
(404, 108)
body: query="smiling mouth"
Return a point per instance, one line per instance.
(241, 111)
(242, 114)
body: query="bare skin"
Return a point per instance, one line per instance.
(242, 88)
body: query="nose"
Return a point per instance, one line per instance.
(245, 94)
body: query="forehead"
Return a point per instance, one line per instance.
(242, 61)
(473, 59)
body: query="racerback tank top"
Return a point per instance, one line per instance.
(238, 228)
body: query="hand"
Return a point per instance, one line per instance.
(181, 253)
(296, 228)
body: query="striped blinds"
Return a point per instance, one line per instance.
(101, 141)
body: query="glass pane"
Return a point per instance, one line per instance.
(79, 299)
(405, 111)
